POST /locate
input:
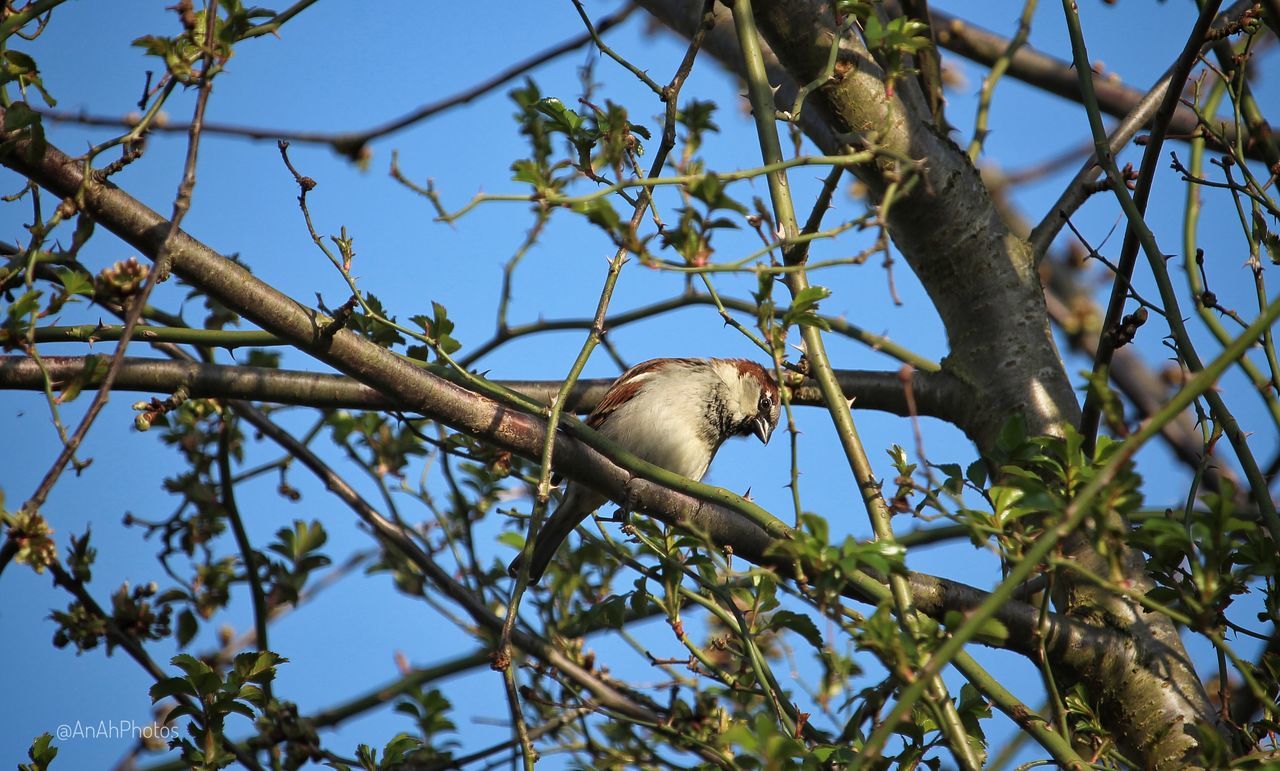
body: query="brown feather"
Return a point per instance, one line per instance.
(749, 367)
(625, 387)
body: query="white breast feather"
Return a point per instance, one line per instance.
(660, 422)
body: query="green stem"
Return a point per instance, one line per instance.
(997, 71)
(278, 21)
(1058, 746)
(212, 338)
(1156, 260)
(1191, 219)
(20, 19)
(762, 106)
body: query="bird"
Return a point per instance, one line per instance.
(673, 413)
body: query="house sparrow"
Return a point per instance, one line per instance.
(674, 413)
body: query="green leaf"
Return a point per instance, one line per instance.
(1263, 235)
(203, 680)
(187, 627)
(41, 753)
(816, 525)
(901, 35)
(711, 191)
(94, 369)
(25, 305)
(804, 306)
(810, 296)
(898, 457)
(639, 598)
(75, 282)
(529, 170)
(600, 212)
(372, 324)
(798, 623)
(258, 666)
(182, 710)
(190, 665)
(1013, 434)
(562, 118)
(367, 757)
(20, 67)
(171, 686)
(20, 62)
(976, 473)
(512, 538)
(955, 482)
(19, 116)
(439, 328)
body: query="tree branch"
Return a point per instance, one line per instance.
(354, 144)
(1058, 77)
(935, 393)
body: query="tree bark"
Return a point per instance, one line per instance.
(882, 391)
(982, 279)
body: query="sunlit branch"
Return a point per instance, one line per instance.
(870, 390)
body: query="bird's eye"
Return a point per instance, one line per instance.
(765, 403)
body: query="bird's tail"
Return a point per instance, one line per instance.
(577, 505)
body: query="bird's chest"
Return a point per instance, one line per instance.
(654, 429)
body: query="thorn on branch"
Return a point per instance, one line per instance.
(146, 92)
(340, 318)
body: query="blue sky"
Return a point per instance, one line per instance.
(338, 68)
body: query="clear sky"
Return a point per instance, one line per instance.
(342, 66)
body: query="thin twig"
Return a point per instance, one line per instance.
(1181, 70)
(352, 144)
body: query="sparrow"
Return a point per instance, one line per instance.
(673, 413)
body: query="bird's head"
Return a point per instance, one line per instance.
(752, 398)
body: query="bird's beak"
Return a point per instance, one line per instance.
(761, 428)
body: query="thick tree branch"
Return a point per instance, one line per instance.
(880, 391)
